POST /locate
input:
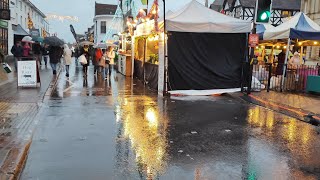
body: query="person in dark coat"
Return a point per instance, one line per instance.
(37, 51)
(55, 54)
(85, 51)
(17, 51)
(281, 61)
(45, 53)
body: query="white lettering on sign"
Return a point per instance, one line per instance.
(27, 73)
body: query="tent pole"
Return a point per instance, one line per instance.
(285, 64)
(301, 54)
(166, 76)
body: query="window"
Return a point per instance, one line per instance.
(21, 21)
(4, 4)
(103, 27)
(17, 18)
(26, 23)
(20, 5)
(4, 40)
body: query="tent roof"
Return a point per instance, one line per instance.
(195, 17)
(300, 23)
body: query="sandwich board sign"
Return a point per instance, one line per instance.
(27, 73)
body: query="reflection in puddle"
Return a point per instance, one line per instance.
(145, 129)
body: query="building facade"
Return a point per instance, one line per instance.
(312, 9)
(22, 12)
(4, 26)
(245, 9)
(103, 17)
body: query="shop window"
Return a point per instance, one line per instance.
(285, 14)
(4, 4)
(103, 26)
(4, 40)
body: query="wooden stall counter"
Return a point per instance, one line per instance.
(125, 64)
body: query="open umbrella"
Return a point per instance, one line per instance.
(37, 39)
(86, 43)
(53, 41)
(27, 39)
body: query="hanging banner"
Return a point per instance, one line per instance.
(27, 73)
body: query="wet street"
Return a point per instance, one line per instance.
(118, 129)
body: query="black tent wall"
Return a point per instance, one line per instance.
(205, 60)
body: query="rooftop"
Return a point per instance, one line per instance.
(105, 9)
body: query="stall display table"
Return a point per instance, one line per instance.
(313, 84)
(125, 64)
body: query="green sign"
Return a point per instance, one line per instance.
(4, 24)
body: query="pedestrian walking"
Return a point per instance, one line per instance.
(55, 56)
(85, 51)
(26, 50)
(281, 60)
(37, 52)
(96, 60)
(110, 57)
(67, 58)
(17, 52)
(45, 53)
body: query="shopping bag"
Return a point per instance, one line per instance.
(83, 60)
(6, 67)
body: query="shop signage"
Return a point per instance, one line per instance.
(27, 73)
(35, 32)
(253, 40)
(3, 24)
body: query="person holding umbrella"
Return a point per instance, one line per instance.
(55, 53)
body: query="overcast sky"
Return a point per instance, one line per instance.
(84, 10)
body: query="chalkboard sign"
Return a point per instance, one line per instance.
(27, 73)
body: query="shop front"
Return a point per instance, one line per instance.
(4, 37)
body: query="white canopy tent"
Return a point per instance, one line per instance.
(194, 17)
(201, 45)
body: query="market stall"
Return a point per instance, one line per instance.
(206, 49)
(298, 32)
(146, 51)
(125, 54)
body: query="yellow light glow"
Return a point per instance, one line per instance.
(152, 118)
(315, 43)
(285, 47)
(300, 43)
(262, 46)
(154, 11)
(278, 47)
(257, 47)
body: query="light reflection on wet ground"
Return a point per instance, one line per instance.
(149, 137)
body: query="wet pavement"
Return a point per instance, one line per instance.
(118, 129)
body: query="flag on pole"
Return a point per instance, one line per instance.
(144, 2)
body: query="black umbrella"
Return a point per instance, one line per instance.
(53, 41)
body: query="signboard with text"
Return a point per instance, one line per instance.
(27, 73)
(253, 40)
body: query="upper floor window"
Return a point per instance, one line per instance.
(103, 26)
